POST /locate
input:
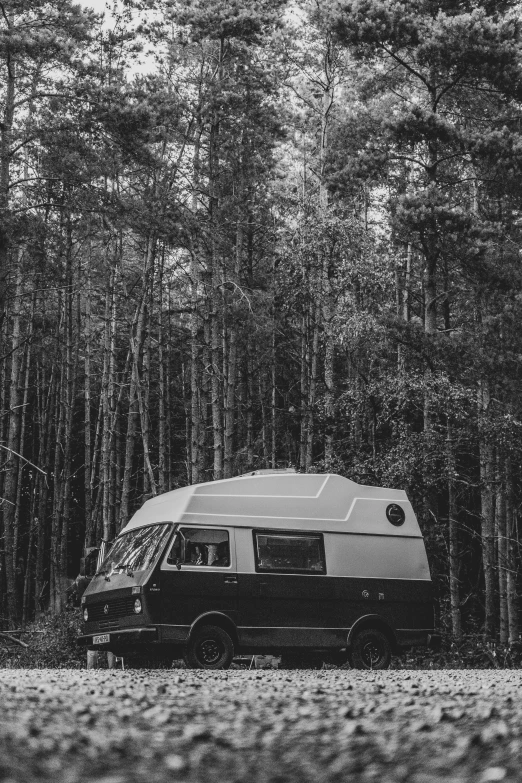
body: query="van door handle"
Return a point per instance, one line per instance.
(231, 580)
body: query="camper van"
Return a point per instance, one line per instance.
(306, 566)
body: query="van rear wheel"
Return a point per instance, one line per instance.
(371, 649)
(209, 647)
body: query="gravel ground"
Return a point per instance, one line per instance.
(105, 726)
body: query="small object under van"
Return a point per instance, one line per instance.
(310, 567)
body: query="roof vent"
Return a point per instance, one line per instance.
(267, 471)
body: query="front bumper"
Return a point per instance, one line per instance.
(121, 636)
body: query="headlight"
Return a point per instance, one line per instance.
(85, 614)
(137, 605)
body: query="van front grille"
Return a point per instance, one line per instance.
(110, 610)
(107, 626)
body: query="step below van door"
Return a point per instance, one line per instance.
(195, 582)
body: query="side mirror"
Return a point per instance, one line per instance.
(178, 564)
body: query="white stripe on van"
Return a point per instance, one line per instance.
(308, 519)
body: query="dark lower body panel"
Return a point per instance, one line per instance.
(254, 639)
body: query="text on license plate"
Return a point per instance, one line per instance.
(102, 639)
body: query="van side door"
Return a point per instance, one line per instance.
(287, 598)
(199, 575)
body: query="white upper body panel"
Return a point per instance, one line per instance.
(290, 501)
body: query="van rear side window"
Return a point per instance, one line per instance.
(294, 553)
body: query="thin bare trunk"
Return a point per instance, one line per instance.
(90, 540)
(13, 445)
(162, 390)
(135, 398)
(454, 554)
(149, 484)
(512, 558)
(304, 392)
(196, 411)
(486, 456)
(249, 406)
(6, 130)
(501, 530)
(273, 402)
(216, 382)
(45, 422)
(107, 395)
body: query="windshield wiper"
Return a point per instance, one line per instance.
(127, 568)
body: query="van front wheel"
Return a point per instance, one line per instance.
(210, 647)
(371, 649)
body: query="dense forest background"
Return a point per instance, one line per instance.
(293, 239)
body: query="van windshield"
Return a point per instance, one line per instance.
(136, 550)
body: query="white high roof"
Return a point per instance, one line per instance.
(291, 501)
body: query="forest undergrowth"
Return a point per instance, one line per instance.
(52, 644)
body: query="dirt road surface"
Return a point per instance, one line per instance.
(103, 726)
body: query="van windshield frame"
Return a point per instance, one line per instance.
(137, 550)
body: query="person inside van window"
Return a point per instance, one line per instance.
(197, 556)
(218, 555)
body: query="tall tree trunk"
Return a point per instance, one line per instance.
(13, 448)
(511, 557)
(249, 405)
(90, 533)
(329, 357)
(162, 388)
(216, 314)
(231, 362)
(196, 411)
(216, 384)
(312, 383)
(501, 529)
(273, 401)
(304, 379)
(144, 393)
(454, 554)
(487, 462)
(107, 394)
(21, 463)
(6, 130)
(135, 398)
(69, 390)
(45, 427)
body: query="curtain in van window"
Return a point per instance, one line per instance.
(292, 553)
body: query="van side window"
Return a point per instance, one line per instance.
(289, 552)
(201, 547)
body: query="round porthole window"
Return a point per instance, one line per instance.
(395, 514)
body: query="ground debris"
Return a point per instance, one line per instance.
(72, 726)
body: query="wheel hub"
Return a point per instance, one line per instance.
(209, 651)
(371, 654)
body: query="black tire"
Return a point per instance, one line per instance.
(209, 647)
(371, 649)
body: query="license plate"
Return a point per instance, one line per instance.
(104, 638)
